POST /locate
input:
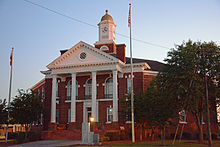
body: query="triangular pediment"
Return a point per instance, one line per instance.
(82, 54)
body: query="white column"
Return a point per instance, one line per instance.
(73, 99)
(84, 112)
(94, 111)
(53, 99)
(115, 96)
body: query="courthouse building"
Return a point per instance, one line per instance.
(90, 81)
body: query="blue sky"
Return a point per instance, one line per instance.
(38, 34)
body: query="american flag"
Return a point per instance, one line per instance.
(11, 57)
(129, 16)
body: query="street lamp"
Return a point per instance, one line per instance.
(91, 120)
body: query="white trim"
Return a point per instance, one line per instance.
(57, 61)
(79, 101)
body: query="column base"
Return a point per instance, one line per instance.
(71, 126)
(52, 127)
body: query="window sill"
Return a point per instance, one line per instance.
(128, 122)
(183, 122)
(108, 122)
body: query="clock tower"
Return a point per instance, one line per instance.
(107, 28)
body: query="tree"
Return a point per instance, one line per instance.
(26, 108)
(186, 65)
(3, 112)
(154, 108)
(160, 107)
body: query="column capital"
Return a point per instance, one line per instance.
(94, 72)
(73, 73)
(54, 75)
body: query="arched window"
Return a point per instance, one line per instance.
(69, 90)
(109, 88)
(88, 94)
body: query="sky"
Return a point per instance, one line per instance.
(38, 34)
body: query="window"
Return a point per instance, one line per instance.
(88, 94)
(41, 118)
(42, 93)
(69, 90)
(218, 112)
(109, 88)
(38, 92)
(69, 115)
(129, 85)
(82, 56)
(57, 116)
(182, 116)
(104, 48)
(109, 114)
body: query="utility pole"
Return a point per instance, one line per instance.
(206, 100)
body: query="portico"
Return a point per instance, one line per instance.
(90, 98)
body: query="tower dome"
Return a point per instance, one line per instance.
(107, 17)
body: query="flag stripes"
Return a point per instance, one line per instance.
(129, 16)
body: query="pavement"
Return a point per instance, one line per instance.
(49, 143)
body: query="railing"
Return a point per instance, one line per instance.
(108, 96)
(69, 97)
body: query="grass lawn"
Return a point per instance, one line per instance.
(184, 143)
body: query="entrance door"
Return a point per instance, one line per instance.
(89, 113)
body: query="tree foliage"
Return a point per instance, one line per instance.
(26, 107)
(3, 112)
(186, 65)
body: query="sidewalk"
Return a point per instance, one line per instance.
(49, 143)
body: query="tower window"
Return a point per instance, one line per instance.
(104, 48)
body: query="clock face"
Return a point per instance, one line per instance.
(105, 29)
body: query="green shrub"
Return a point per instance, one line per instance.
(113, 135)
(106, 138)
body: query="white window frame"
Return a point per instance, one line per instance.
(57, 116)
(43, 93)
(69, 115)
(129, 85)
(109, 114)
(69, 90)
(88, 90)
(109, 88)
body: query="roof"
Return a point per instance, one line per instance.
(107, 17)
(40, 83)
(155, 65)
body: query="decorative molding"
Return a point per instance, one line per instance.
(79, 45)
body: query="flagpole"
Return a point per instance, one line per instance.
(9, 97)
(132, 89)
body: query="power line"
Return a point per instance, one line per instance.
(91, 25)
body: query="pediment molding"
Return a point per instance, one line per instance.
(108, 59)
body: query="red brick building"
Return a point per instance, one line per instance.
(89, 81)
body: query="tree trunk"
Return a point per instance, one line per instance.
(26, 128)
(152, 134)
(163, 136)
(199, 125)
(141, 133)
